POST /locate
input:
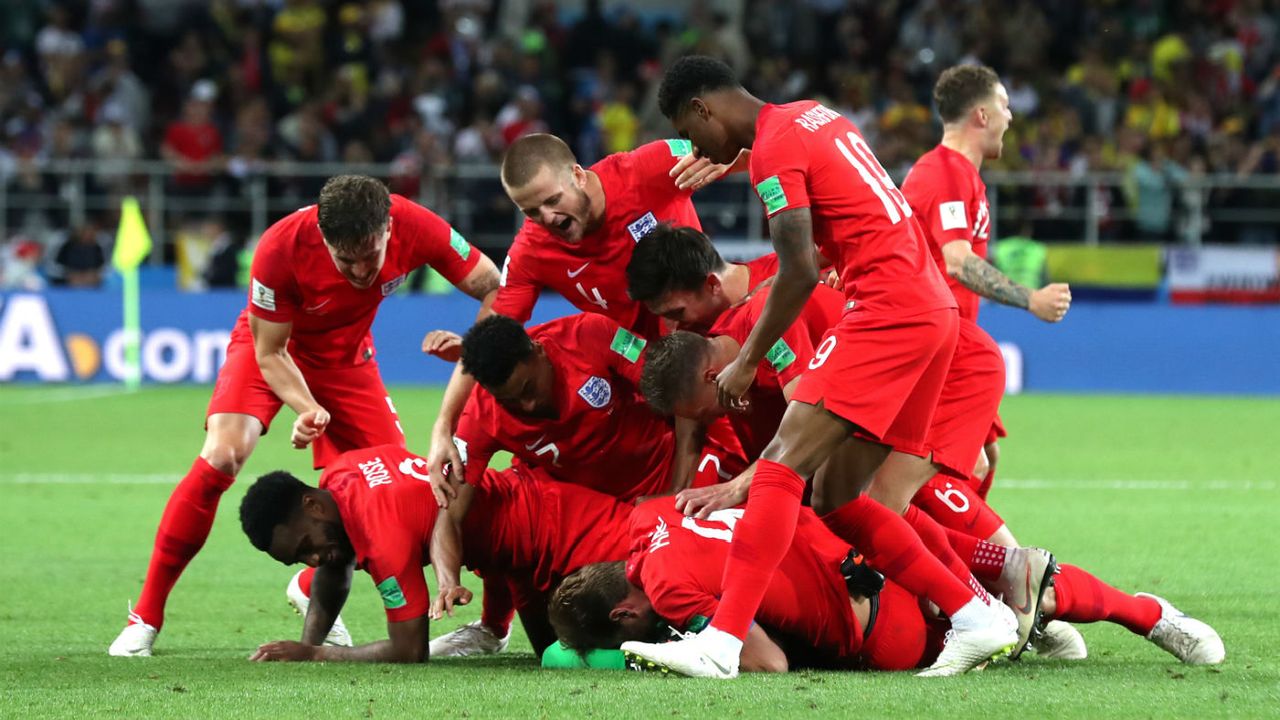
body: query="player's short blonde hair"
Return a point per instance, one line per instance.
(530, 154)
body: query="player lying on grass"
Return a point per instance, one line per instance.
(374, 511)
(808, 615)
(679, 275)
(562, 397)
(318, 277)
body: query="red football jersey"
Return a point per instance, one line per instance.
(679, 563)
(294, 280)
(785, 361)
(517, 524)
(605, 437)
(808, 156)
(950, 201)
(592, 274)
(761, 269)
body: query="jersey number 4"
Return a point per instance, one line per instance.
(859, 155)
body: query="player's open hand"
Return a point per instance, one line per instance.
(1051, 302)
(701, 502)
(309, 426)
(732, 384)
(444, 464)
(692, 172)
(447, 598)
(443, 344)
(285, 651)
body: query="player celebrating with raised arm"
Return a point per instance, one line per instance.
(947, 194)
(304, 340)
(580, 227)
(373, 511)
(878, 373)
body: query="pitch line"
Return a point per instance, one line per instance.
(1000, 483)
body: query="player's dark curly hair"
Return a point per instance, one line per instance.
(351, 209)
(493, 347)
(671, 367)
(270, 501)
(689, 77)
(671, 258)
(579, 608)
(960, 88)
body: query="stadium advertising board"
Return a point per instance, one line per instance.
(1224, 274)
(64, 336)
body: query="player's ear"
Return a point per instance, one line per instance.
(698, 106)
(713, 283)
(621, 612)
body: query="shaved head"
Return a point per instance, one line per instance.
(530, 154)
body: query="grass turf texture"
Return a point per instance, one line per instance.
(1176, 496)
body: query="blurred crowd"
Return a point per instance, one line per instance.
(1158, 90)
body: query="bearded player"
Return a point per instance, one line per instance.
(318, 276)
(374, 511)
(579, 229)
(874, 380)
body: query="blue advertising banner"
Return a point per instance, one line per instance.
(76, 336)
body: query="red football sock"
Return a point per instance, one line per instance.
(497, 604)
(934, 537)
(985, 559)
(304, 580)
(892, 547)
(184, 526)
(1083, 598)
(760, 540)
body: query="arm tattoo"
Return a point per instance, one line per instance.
(481, 285)
(983, 278)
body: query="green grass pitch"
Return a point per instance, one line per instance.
(1176, 496)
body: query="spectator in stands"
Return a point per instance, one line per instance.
(80, 259)
(193, 143)
(1152, 184)
(115, 144)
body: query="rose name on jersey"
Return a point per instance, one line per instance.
(660, 537)
(375, 472)
(816, 117)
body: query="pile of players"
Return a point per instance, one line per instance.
(716, 466)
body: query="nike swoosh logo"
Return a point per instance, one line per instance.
(576, 273)
(316, 307)
(1026, 607)
(535, 443)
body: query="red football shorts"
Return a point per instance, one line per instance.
(967, 406)
(958, 505)
(360, 411)
(997, 431)
(883, 374)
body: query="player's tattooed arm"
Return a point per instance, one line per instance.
(983, 278)
(482, 282)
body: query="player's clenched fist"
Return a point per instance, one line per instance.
(443, 344)
(309, 426)
(1051, 302)
(732, 383)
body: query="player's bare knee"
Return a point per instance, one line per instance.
(982, 467)
(225, 457)
(992, 451)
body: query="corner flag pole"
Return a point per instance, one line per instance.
(133, 243)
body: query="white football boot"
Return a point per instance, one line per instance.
(967, 649)
(471, 639)
(338, 634)
(1027, 573)
(705, 655)
(135, 640)
(1060, 641)
(1186, 638)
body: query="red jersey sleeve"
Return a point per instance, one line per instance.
(778, 171)
(273, 288)
(476, 445)
(652, 163)
(431, 240)
(396, 569)
(940, 202)
(621, 349)
(519, 288)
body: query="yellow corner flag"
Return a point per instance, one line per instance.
(133, 242)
